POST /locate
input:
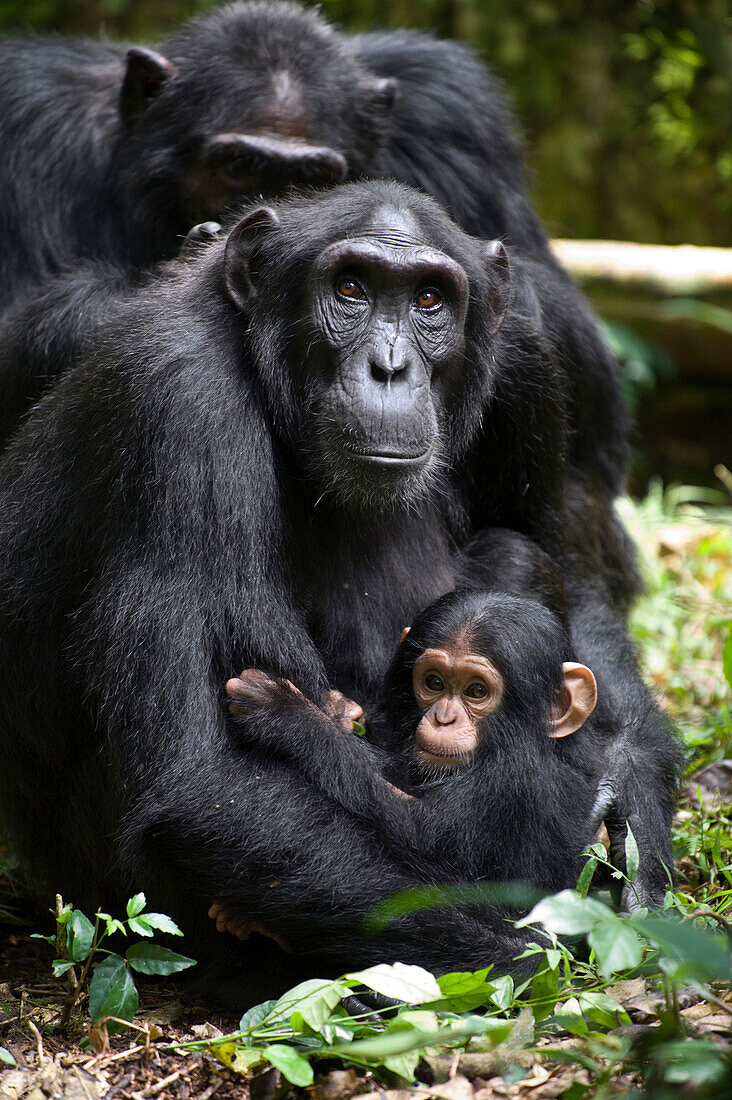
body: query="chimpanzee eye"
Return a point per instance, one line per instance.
(348, 288)
(476, 690)
(428, 299)
(433, 682)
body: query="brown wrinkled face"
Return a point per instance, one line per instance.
(456, 690)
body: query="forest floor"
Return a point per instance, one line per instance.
(669, 1032)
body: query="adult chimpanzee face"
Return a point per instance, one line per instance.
(388, 313)
(372, 361)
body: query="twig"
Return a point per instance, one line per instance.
(153, 1090)
(39, 1042)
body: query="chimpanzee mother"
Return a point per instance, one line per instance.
(260, 466)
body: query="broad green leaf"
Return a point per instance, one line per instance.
(463, 991)
(503, 991)
(566, 913)
(569, 1016)
(255, 1015)
(359, 729)
(79, 935)
(411, 984)
(136, 905)
(148, 958)
(162, 923)
(419, 1018)
(616, 945)
(602, 1009)
(632, 856)
(60, 966)
(6, 1057)
(112, 991)
(291, 1063)
(544, 992)
(697, 1063)
(140, 926)
(314, 999)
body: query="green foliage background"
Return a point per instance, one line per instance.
(626, 105)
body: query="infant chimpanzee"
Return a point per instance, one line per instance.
(480, 701)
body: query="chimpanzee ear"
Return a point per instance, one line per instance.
(238, 254)
(147, 71)
(404, 634)
(577, 700)
(381, 94)
(500, 270)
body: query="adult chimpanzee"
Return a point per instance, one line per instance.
(261, 465)
(111, 155)
(480, 701)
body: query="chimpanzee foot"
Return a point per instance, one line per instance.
(240, 925)
(342, 710)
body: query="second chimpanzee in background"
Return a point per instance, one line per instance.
(479, 704)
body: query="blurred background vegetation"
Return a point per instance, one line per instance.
(625, 107)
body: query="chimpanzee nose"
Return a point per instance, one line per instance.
(444, 713)
(386, 364)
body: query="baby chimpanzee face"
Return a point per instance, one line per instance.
(485, 669)
(455, 689)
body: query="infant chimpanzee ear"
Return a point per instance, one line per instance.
(404, 634)
(238, 255)
(576, 702)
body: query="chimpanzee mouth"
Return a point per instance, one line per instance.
(384, 456)
(430, 758)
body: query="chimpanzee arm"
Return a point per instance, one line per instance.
(279, 720)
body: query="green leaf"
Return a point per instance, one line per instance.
(46, 939)
(727, 660)
(136, 905)
(255, 1015)
(566, 914)
(544, 992)
(60, 966)
(586, 875)
(162, 923)
(291, 1063)
(6, 1056)
(503, 991)
(689, 952)
(616, 945)
(359, 729)
(569, 1016)
(411, 984)
(463, 991)
(140, 926)
(404, 1065)
(112, 991)
(314, 1000)
(79, 935)
(632, 856)
(148, 958)
(603, 1009)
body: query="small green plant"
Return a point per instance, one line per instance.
(112, 992)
